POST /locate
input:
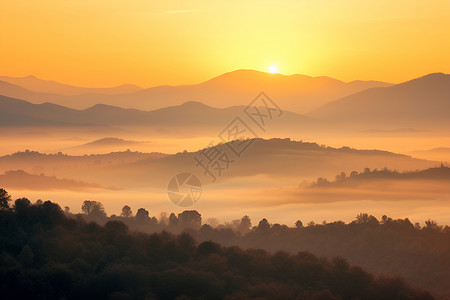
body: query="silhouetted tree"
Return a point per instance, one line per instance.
(142, 215)
(432, 225)
(21, 206)
(190, 219)
(299, 224)
(245, 225)
(93, 208)
(126, 212)
(173, 220)
(4, 199)
(263, 225)
(364, 218)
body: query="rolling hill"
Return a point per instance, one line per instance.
(279, 159)
(22, 180)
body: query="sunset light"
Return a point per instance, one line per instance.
(188, 150)
(273, 69)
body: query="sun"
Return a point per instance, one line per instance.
(273, 69)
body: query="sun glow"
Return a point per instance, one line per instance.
(273, 69)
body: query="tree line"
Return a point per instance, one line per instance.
(386, 246)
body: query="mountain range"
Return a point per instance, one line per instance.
(422, 103)
(35, 84)
(16, 112)
(298, 93)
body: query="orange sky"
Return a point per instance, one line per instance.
(146, 42)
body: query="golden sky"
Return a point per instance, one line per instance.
(146, 42)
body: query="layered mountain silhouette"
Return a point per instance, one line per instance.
(298, 93)
(420, 104)
(35, 84)
(15, 112)
(424, 102)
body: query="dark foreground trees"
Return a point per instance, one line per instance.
(45, 255)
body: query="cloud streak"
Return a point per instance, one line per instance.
(182, 11)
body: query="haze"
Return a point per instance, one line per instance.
(194, 149)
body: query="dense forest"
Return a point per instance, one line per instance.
(47, 255)
(419, 253)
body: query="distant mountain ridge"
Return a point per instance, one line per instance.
(421, 104)
(421, 101)
(35, 84)
(15, 112)
(19, 179)
(298, 93)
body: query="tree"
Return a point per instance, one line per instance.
(4, 199)
(142, 215)
(21, 206)
(432, 225)
(263, 225)
(311, 224)
(364, 218)
(245, 225)
(173, 220)
(126, 211)
(93, 208)
(299, 224)
(190, 219)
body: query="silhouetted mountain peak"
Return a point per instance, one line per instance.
(194, 104)
(109, 141)
(252, 75)
(103, 107)
(428, 80)
(423, 101)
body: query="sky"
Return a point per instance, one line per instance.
(106, 43)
